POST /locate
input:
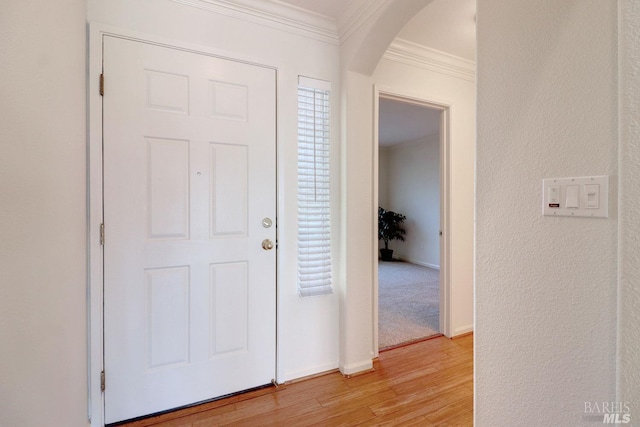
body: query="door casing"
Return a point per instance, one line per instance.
(445, 286)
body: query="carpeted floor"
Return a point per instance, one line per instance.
(408, 303)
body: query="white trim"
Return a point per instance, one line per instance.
(286, 17)
(158, 40)
(358, 367)
(445, 200)
(357, 13)
(94, 249)
(95, 313)
(462, 330)
(314, 371)
(416, 55)
(274, 14)
(374, 210)
(314, 83)
(446, 311)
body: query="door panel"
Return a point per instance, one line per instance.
(189, 174)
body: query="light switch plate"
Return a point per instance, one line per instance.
(555, 190)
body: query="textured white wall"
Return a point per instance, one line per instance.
(629, 250)
(414, 191)
(401, 79)
(43, 361)
(545, 287)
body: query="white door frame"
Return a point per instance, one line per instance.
(95, 273)
(445, 167)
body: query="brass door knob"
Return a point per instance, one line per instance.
(267, 244)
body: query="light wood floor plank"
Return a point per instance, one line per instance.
(422, 384)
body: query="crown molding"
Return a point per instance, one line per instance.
(273, 14)
(410, 53)
(285, 17)
(356, 14)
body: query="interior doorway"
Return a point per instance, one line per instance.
(411, 176)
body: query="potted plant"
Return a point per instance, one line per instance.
(389, 228)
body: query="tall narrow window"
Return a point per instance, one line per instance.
(314, 226)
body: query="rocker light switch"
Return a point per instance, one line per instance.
(592, 196)
(573, 198)
(553, 196)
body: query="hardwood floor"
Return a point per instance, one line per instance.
(422, 384)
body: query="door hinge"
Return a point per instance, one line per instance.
(102, 84)
(102, 380)
(101, 234)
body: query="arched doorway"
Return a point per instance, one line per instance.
(361, 54)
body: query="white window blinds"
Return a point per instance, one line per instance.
(314, 227)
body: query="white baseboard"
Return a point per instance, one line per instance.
(307, 372)
(462, 330)
(354, 368)
(416, 262)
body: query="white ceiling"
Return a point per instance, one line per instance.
(444, 25)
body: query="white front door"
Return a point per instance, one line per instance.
(189, 196)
